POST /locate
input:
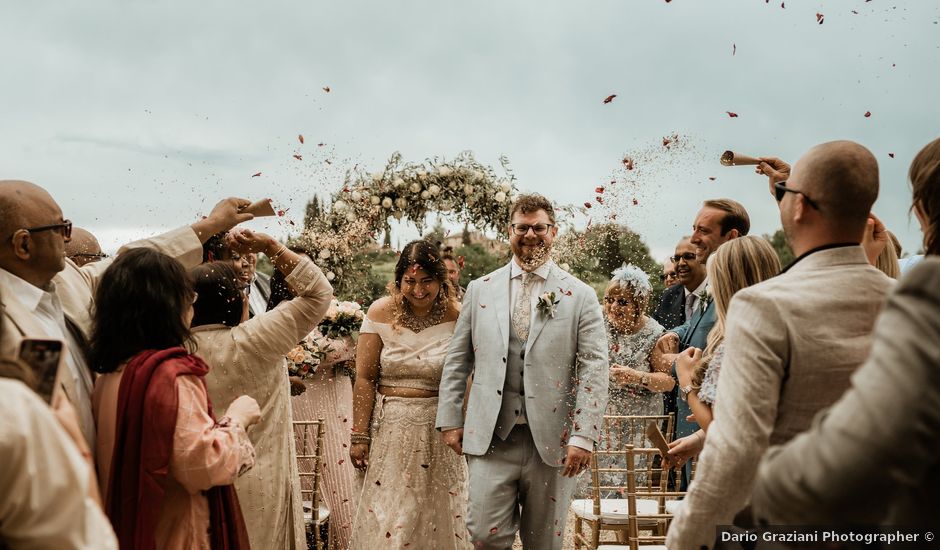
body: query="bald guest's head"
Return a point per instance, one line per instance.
(83, 248)
(33, 232)
(829, 195)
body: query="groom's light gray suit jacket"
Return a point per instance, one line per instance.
(565, 367)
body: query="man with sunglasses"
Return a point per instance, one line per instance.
(46, 295)
(793, 341)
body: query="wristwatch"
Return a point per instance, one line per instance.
(684, 392)
(645, 380)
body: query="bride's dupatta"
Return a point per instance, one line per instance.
(146, 421)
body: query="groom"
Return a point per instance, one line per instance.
(533, 338)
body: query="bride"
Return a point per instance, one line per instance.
(414, 493)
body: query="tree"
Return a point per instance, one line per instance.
(779, 241)
(465, 236)
(436, 234)
(313, 212)
(477, 262)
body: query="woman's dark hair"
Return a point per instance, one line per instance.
(139, 305)
(221, 298)
(427, 257)
(279, 289)
(925, 183)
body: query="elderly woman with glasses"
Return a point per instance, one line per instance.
(636, 384)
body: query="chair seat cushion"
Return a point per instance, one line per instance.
(614, 510)
(308, 512)
(673, 506)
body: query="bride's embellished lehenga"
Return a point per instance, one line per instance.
(415, 489)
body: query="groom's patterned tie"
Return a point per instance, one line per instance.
(522, 310)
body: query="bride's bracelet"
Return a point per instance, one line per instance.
(359, 438)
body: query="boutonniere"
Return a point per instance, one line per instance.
(705, 298)
(547, 303)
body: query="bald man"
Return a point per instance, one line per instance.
(793, 341)
(46, 295)
(83, 247)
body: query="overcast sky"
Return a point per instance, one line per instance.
(138, 115)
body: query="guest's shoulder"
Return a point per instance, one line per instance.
(923, 279)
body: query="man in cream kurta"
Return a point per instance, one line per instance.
(793, 341)
(539, 388)
(45, 295)
(249, 359)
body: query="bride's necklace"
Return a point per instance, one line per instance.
(416, 324)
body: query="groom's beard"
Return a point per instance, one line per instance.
(534, 257)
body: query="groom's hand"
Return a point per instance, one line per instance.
(454, 439)
(576, 461)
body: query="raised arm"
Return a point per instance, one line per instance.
(276, 332)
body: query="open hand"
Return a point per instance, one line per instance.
(245, 241)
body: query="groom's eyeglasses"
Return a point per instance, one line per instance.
(781, 189)
(538, 229)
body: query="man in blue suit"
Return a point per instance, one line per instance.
(717, 222)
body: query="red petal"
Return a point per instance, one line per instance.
(732, 115)
(627, 163)
(635, 202)
(867, 114)
(819, 18)
(326, 89)
(587, 205)
(256, 175)
(713, 178)
(599, 189)
(301, 138)
(599, 199)
(609, 98)
(298, 157)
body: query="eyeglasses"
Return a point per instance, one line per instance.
(538, 229)
(89, 257)
(64, 228)
(781, 189)
(669, 275)
(622, 302)
(687, 256)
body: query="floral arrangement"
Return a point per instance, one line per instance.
(304, 359)
(463, 188)
(342, 319)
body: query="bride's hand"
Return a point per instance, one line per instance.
(359, 454)
(685, 365)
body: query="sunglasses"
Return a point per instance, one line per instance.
(622, 302)
(669, 275)
(687, 256)
(781, 189)
(64, 228)
(90, 257)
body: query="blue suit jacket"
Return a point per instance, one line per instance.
(693, 333)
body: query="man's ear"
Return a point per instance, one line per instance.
(733, 234)
(21, 244)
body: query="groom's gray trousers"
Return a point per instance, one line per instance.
(512, 489)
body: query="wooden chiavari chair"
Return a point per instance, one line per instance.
(606, 507)
(309, 441)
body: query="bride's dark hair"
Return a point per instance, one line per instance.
(426, 256)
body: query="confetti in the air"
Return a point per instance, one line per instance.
(298, 157)
(732, 114)
(891, 155)
(300, 138)
(609, 98)
(867, 114)
(326, 89)
(819, 18)
(255, 175)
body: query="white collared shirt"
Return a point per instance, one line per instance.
(537, 285)
(47, 309)
(692, 299)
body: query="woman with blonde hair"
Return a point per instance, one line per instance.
(887, 261)
(735, 265)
